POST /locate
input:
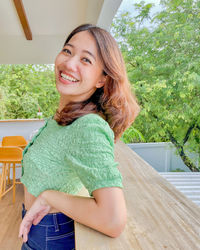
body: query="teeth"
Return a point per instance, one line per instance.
(66, 77)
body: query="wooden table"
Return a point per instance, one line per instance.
(159, 216)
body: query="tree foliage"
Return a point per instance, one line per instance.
(163, 65)
(24, 89)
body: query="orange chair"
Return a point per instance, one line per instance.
(16, 140)
(8, 156)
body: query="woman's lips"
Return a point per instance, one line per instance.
(67, 78)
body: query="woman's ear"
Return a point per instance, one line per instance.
(101, 82)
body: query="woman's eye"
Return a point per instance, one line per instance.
(85, 59)
(67, 51)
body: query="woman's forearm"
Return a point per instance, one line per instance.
(88, 211)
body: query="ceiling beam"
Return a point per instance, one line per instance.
(23, 19)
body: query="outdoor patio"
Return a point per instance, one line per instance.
(160, 215)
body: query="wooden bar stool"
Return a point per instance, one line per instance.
(9, 157)
(14, 140)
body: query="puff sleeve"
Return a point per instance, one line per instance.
(92, 153)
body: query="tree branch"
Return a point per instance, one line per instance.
(132, 64)
(182, 154)
(197, 126)
(179, 147)
(188, 133)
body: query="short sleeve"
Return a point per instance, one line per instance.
(92, 153)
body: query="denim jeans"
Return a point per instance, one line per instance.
(54, 232)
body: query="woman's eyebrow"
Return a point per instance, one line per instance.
(68, 44)
(85, 51)
(88, 52)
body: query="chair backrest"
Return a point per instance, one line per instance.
(10, 154)
(17, 140)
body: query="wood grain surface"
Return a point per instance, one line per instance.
(10, 219)
(159, 216)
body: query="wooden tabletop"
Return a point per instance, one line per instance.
(159, 216)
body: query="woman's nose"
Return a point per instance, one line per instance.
(72, 63)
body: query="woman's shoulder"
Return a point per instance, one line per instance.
(93, 125)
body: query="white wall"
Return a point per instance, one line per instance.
(19, 127)
(160, 156)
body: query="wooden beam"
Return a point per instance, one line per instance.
(23, 19)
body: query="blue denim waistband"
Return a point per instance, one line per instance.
(52, 219)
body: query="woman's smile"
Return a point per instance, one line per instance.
(67, 78)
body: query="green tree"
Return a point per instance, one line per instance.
(24, 89)
(2, 102)
(163, 65)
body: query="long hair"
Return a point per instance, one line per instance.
(114, 101)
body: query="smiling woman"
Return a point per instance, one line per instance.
(78, 69)
(76, 147)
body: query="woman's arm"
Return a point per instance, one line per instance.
(106, 212)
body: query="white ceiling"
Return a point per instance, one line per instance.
(50, 22)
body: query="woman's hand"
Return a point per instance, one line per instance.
(39, 209)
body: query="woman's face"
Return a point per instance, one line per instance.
(78, 68)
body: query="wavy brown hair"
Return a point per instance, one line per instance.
(114, 101)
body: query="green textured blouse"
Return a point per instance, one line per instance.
(64, 158)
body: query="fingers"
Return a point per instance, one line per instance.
(23, 232)
(33, 216)
(25, 235)
(20, 233)
(25, 228)
(20, 230)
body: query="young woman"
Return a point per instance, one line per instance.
(76, 146)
